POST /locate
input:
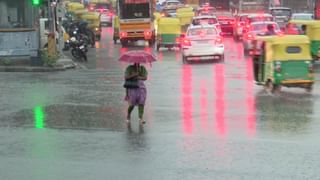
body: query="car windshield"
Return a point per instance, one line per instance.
(204, 21)
(172, 3)
(280, 12)
(263, 27)
(202, 31)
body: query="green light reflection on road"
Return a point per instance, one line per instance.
(39, 117)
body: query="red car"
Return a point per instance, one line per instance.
(226, 24)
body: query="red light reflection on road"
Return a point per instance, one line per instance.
(187, 107)
(123, 50)
(178, 55)
(204, 106)
(250, 101)
(220, 99)
(160, 56)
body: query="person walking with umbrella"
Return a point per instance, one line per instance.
(135, 75)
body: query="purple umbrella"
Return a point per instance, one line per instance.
(137, 56)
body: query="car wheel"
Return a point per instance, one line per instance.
(222, 58)
(245, 52)
(124, 43)
(309, 89)
(184, 59)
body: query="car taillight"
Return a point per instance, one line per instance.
(110, 14)
(219, 40)
(162, 15)
(231, 22)
(123, 34)
(250, 37)
(147, 34)
(239, 24)
(177, 40)
(186, 42)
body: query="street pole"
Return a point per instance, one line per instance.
(52, 45)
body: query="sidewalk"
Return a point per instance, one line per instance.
(24, 65)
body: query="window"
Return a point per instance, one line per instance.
(133, 10)
(204, 31)
(16, 14)
(293, 49)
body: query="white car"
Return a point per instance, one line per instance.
(302, 16)
(206, 20)
(202, 42)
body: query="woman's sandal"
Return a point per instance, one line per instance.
(142, 121)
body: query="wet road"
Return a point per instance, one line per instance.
(204, 121)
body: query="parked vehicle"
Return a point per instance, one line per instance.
(256, 29)
(78, 49)
(93, 19)
(169, 32)
(284, 61)
(202, 42)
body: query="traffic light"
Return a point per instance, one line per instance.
(36, 2)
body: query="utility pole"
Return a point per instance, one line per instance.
(52, 45)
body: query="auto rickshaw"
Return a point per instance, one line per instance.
(73, 6)
(93, 19)
(283, 61)
(185, 15)
(313, 32)
(116, 29)
(169, 31)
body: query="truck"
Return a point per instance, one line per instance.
(136, 21)
(251, 6)
(223, 5)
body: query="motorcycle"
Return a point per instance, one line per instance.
(79, 49)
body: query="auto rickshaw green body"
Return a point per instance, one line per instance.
(284, 61)
(168, 32)
(313, 32)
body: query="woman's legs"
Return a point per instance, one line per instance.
(130, 109)
(141, 110)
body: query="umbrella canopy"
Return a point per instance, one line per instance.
(137, 56)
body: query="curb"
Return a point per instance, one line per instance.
(30, 69)
(62, 65)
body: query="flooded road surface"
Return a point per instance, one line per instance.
(204, 121)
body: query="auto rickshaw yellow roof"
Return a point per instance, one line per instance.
(91, 16)
(306, 22)
(285, 39)
(169, 21)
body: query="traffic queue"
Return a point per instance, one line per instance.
(283, 47)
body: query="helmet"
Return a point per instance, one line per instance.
(73, 39)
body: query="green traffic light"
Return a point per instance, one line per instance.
(36, 2)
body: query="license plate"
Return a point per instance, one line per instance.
(81, 47)
(203, 42)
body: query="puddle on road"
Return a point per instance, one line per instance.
(68, 117)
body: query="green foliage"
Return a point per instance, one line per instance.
(6, 61)
(49, 61)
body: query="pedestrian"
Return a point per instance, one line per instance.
(136, 96)
(303, 30)
(270, 30)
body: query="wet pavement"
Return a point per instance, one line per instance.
(204, 121)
